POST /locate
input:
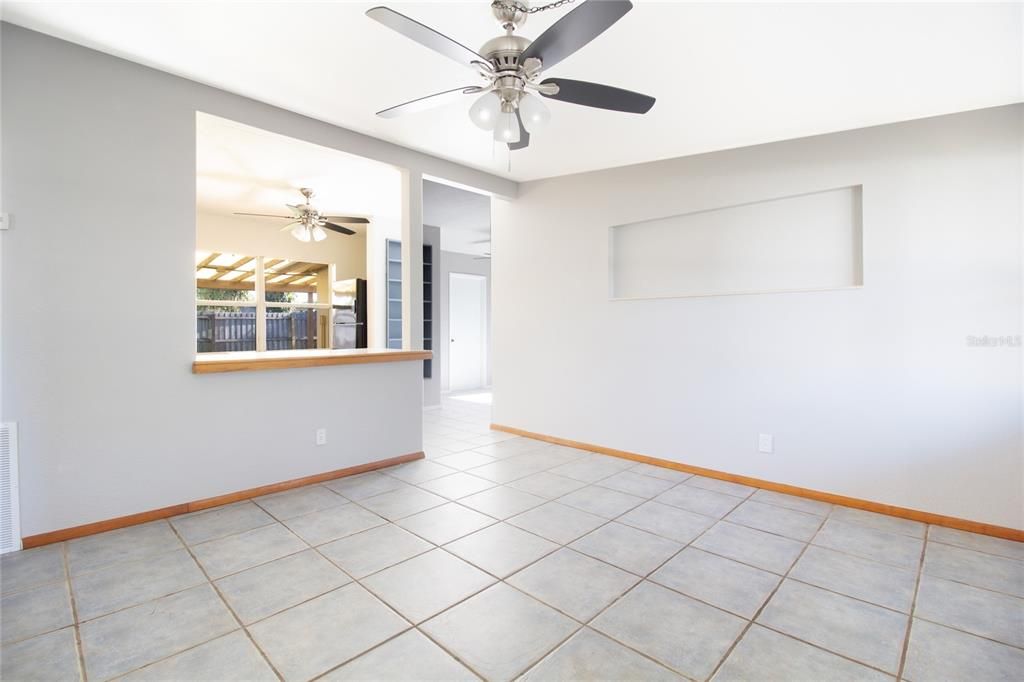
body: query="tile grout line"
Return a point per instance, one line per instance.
(80, 650)
(812, 644)
(749, 496)
(77, 623)
(413, 626)
(977, 551)
(750, 621)
(807, 543)
(645, 577)
(188, 548)
(901, 669)
(633, 587)
(763, 606)
(819, 647)
(504, 581)
(358, 582)
(226, 604)
(642, 579)
(714, 520)
(498, 580)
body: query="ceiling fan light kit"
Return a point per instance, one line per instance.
(507, 129)
(535, 113)
(510, 105)
(484, 112)
(307, 234)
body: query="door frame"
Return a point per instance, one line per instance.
(452, 276)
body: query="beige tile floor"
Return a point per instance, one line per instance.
(500, 557)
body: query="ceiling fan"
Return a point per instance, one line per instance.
(512, 66)
(307, 223)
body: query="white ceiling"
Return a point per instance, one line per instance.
(241, 168)
(725, 75)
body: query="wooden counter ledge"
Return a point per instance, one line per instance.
(248, 361)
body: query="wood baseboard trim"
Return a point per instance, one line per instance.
(832, 498)
(31, 541)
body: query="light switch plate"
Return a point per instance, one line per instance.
(765, 443)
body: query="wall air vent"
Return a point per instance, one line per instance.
(10, 523)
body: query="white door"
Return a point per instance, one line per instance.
(467, 315)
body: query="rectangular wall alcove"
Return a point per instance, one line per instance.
(804, 242)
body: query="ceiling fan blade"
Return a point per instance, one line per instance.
(338, 228)
(599, 96)
(524, 136)
(264, 215)
(290, 226)
(574, 30)
(346, 219)
(424, 35)
(296, 209)
(428, 102)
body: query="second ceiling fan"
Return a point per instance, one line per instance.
(307, 223)
(510, 102)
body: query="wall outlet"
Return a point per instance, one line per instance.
(321, 436)
(765, 442)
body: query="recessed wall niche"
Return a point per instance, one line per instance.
(804, 242)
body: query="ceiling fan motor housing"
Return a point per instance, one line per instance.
(503, 53)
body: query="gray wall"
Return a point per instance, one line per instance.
(99, 174)
(873, 392)
(471, 265)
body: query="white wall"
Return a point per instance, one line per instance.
(803, 243)
(872, 392)
(464, 263)
(99, 170)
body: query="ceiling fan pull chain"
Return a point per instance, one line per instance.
(512, 5)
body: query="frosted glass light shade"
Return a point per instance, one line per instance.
(507, 129)
(319, 234)
(301, 233)
(535, 113)
(485, 110)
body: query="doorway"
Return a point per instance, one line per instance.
(467, 335)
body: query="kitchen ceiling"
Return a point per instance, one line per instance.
(725, 74)
(241, 168)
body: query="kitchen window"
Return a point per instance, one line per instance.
(259, 303)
